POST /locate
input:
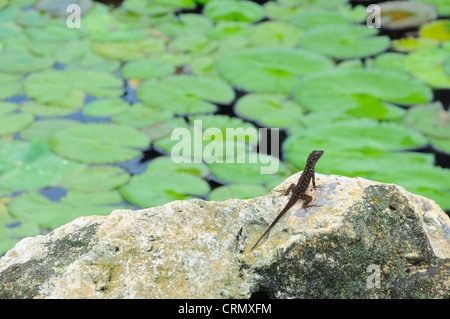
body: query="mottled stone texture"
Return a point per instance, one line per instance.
(199, 249)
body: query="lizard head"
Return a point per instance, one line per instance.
(314, 157)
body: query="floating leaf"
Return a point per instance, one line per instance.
(184, 94)
(401, 15)
(130, 50)
(249, 169)
(28, 166)
(105, 107)
(13, 230)
(230, 30)
(44, 128)
(441, 144)
(99, 143)
(22, 62)
(155, 188)
(272, 70)
(275, 33)
(187, 23)
(271, 110)
(95, 179)
(238, 191)
(147, 69)
(427, 65)
(345, 89)
(40, 109)
(232, 10)
(68, 88)
(391, 61)
(412, 44)
(360, 139)
(443, 6)
(432, 120)
(140, 115)
(344, 41)
(167, 164)
(10, 85)
(314, 18)
(58, 8)
(37, 209)
(156, 7)
(438, 30)
(13, 122)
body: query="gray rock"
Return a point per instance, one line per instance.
(363, 240)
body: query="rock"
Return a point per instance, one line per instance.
(365, 240)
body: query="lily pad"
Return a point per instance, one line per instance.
(413, 44)
(275, 33)
(239, 191)
(44, 128)
(391, 61)
(99, 178)
(140, 115)
(432, 120)
(28, 166)
(58, 8)
(344, 41)
(167, 164)
(187, 23)
(361, 140)
(130, 50)
(346, 89)
(154, 188)
(99, 143)
(11, 123)
(243, 171)
(69, 88)
(22, 62)
(438, 30)
(105, 107)
(271, 110)
(156, 7)
(443, 6)
(184, 94)
(271, 70)
(45, 110)
(401, 14)
(147, 69)
(10, 85)
(37, 209)
(313, 18)
(233, 10)
(442, 144)
(13, 230)
(427, 65)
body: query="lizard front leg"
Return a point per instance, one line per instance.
(289, 189)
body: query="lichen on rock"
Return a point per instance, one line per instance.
(201, 249)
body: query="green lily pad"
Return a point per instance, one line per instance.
(427, 65)
(140, 115)
(275, 33)
(147, 69)
(232, 10)
(58, 8)
(54, 32)
(437, 30)
(443, 6)
(154, 188)
(432, 120)
(99, 178)
(413, 44)
(187, 23)
(271, 110)
(441, 144)
(344, 41)
(37, 209)
(271, 70)
(10, 85)
(130, 50)
(238, 191)
(167, 164)
(243, 171)
(391, 61)
(68, 88)
(314, 18)
(13, 230)
(184, 94)
(156, 7)
(353, 138)
(99, 143)
(346, 89)
(11, 123)
(105, 107)
(28, 166)
(41, 109)
(230, 30)
(44, 128)
(22, 62)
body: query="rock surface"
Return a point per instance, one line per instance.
(200, 249)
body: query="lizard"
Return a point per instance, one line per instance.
(298, 190)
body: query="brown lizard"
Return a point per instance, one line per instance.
(298, 191)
